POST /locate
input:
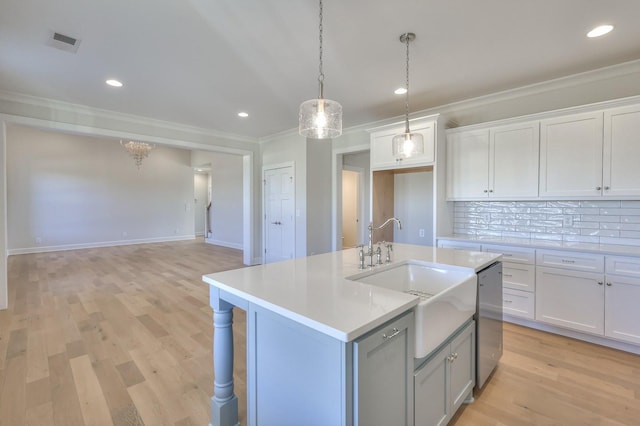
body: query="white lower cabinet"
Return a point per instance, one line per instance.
(445, 380)
(518, 303)
(383, 373)
(622, 299)
(571, 299)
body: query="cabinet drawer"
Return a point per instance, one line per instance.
(459, 245)
(519, 276)
(629, 266)
(512, 254)
(518, 303)
(570, 260)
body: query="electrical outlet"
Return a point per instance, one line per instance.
(421, 233)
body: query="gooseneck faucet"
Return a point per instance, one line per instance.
(371, 228)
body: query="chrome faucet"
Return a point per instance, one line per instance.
(371, 228)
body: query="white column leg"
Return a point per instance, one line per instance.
(224, 404)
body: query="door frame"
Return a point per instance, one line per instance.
(263, 215)
(336, 191)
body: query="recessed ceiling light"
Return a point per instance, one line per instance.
(114, 83)
(400, 91)
(243, 114)
(600, 31)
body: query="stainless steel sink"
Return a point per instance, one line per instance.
(447, 297)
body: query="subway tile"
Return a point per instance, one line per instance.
(489, 209)
(503, 204)
(509, 234)
(553, 237)
(630, 219)
(547, 210)
(500, 227)
(564, 231)
(457, 213)
(530, 216)
(503, 216)
(580, 239)
(621, 241)
(600, 233)
(586, 225)
(466, 232)
(547, 223)
(629, 234)
(532, 229)
(630, 226)
(560, 217)
(486, 233)
(563, 204)
(581, 210)
(477, 226)
(605, 225)
(531, 204)
(620, 212)
(515, 222)
(632, 204)
(599, 218)
(476, 204)
(516, 210)
(483, 216)
(597, 203)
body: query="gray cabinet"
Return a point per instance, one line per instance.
(446, 379)
(383, 375)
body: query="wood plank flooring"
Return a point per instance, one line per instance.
(123, 336)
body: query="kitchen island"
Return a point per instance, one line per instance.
(306, 326)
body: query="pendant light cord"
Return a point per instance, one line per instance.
(321, 75)
(406, 36)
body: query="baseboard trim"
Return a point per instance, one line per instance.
(223, 243)
(29, 250)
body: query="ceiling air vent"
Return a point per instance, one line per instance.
(64, 42)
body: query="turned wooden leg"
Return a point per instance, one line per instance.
(224, 404)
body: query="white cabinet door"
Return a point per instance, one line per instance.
(571, 156)
(384, 375)
(468, 165)
(382, 148)
(570, 299)
(621, 174)
(622, 312)
(513, 160)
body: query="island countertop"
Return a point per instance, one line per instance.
(313, 290)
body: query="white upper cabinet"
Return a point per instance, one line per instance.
(571, 155)
(468, 164)
(498, 162)
(620, 171)
(382, 148)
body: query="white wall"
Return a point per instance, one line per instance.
(226, 200)
(69, 191)
(413, 205)
(319, 196)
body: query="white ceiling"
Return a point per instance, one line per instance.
(199, 62)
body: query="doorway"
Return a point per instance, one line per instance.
(279, 218)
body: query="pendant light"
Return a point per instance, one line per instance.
(320, 118)
(407, 144)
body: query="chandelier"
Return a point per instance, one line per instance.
(407, 144)
(137, 150)
(320, 118)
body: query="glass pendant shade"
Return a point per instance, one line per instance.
(408, 144)
(320, 119)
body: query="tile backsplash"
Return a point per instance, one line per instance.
(599, 222)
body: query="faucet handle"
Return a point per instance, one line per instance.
(389, 247)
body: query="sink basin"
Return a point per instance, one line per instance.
(447, 297)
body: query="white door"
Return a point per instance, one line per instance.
(350, 208)
(279, 219)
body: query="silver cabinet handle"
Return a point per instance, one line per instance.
(507, 275)
(486, 190)
(491, 190)
(568, 261)
(600, 283)
(507, 301)
(392, 335)
(609, 284)
(598, 188)
(606, 188)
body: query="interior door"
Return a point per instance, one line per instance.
(350, 208)
(279, 220)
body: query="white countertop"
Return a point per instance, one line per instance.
(612, 249)
(314, 292)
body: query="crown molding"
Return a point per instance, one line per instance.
(114, 115)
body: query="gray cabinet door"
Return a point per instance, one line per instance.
(462, 367)
(432, 391)
(383, 373)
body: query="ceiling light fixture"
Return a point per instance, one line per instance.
(320, 118)
(243, 114)
(114, 83)
(137, 150)
(600, 31)
(400, 91)
(407, 144)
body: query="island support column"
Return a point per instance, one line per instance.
(224, 404)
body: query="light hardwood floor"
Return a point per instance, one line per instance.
(123, 336)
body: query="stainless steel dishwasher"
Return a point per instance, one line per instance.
(488, 322)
